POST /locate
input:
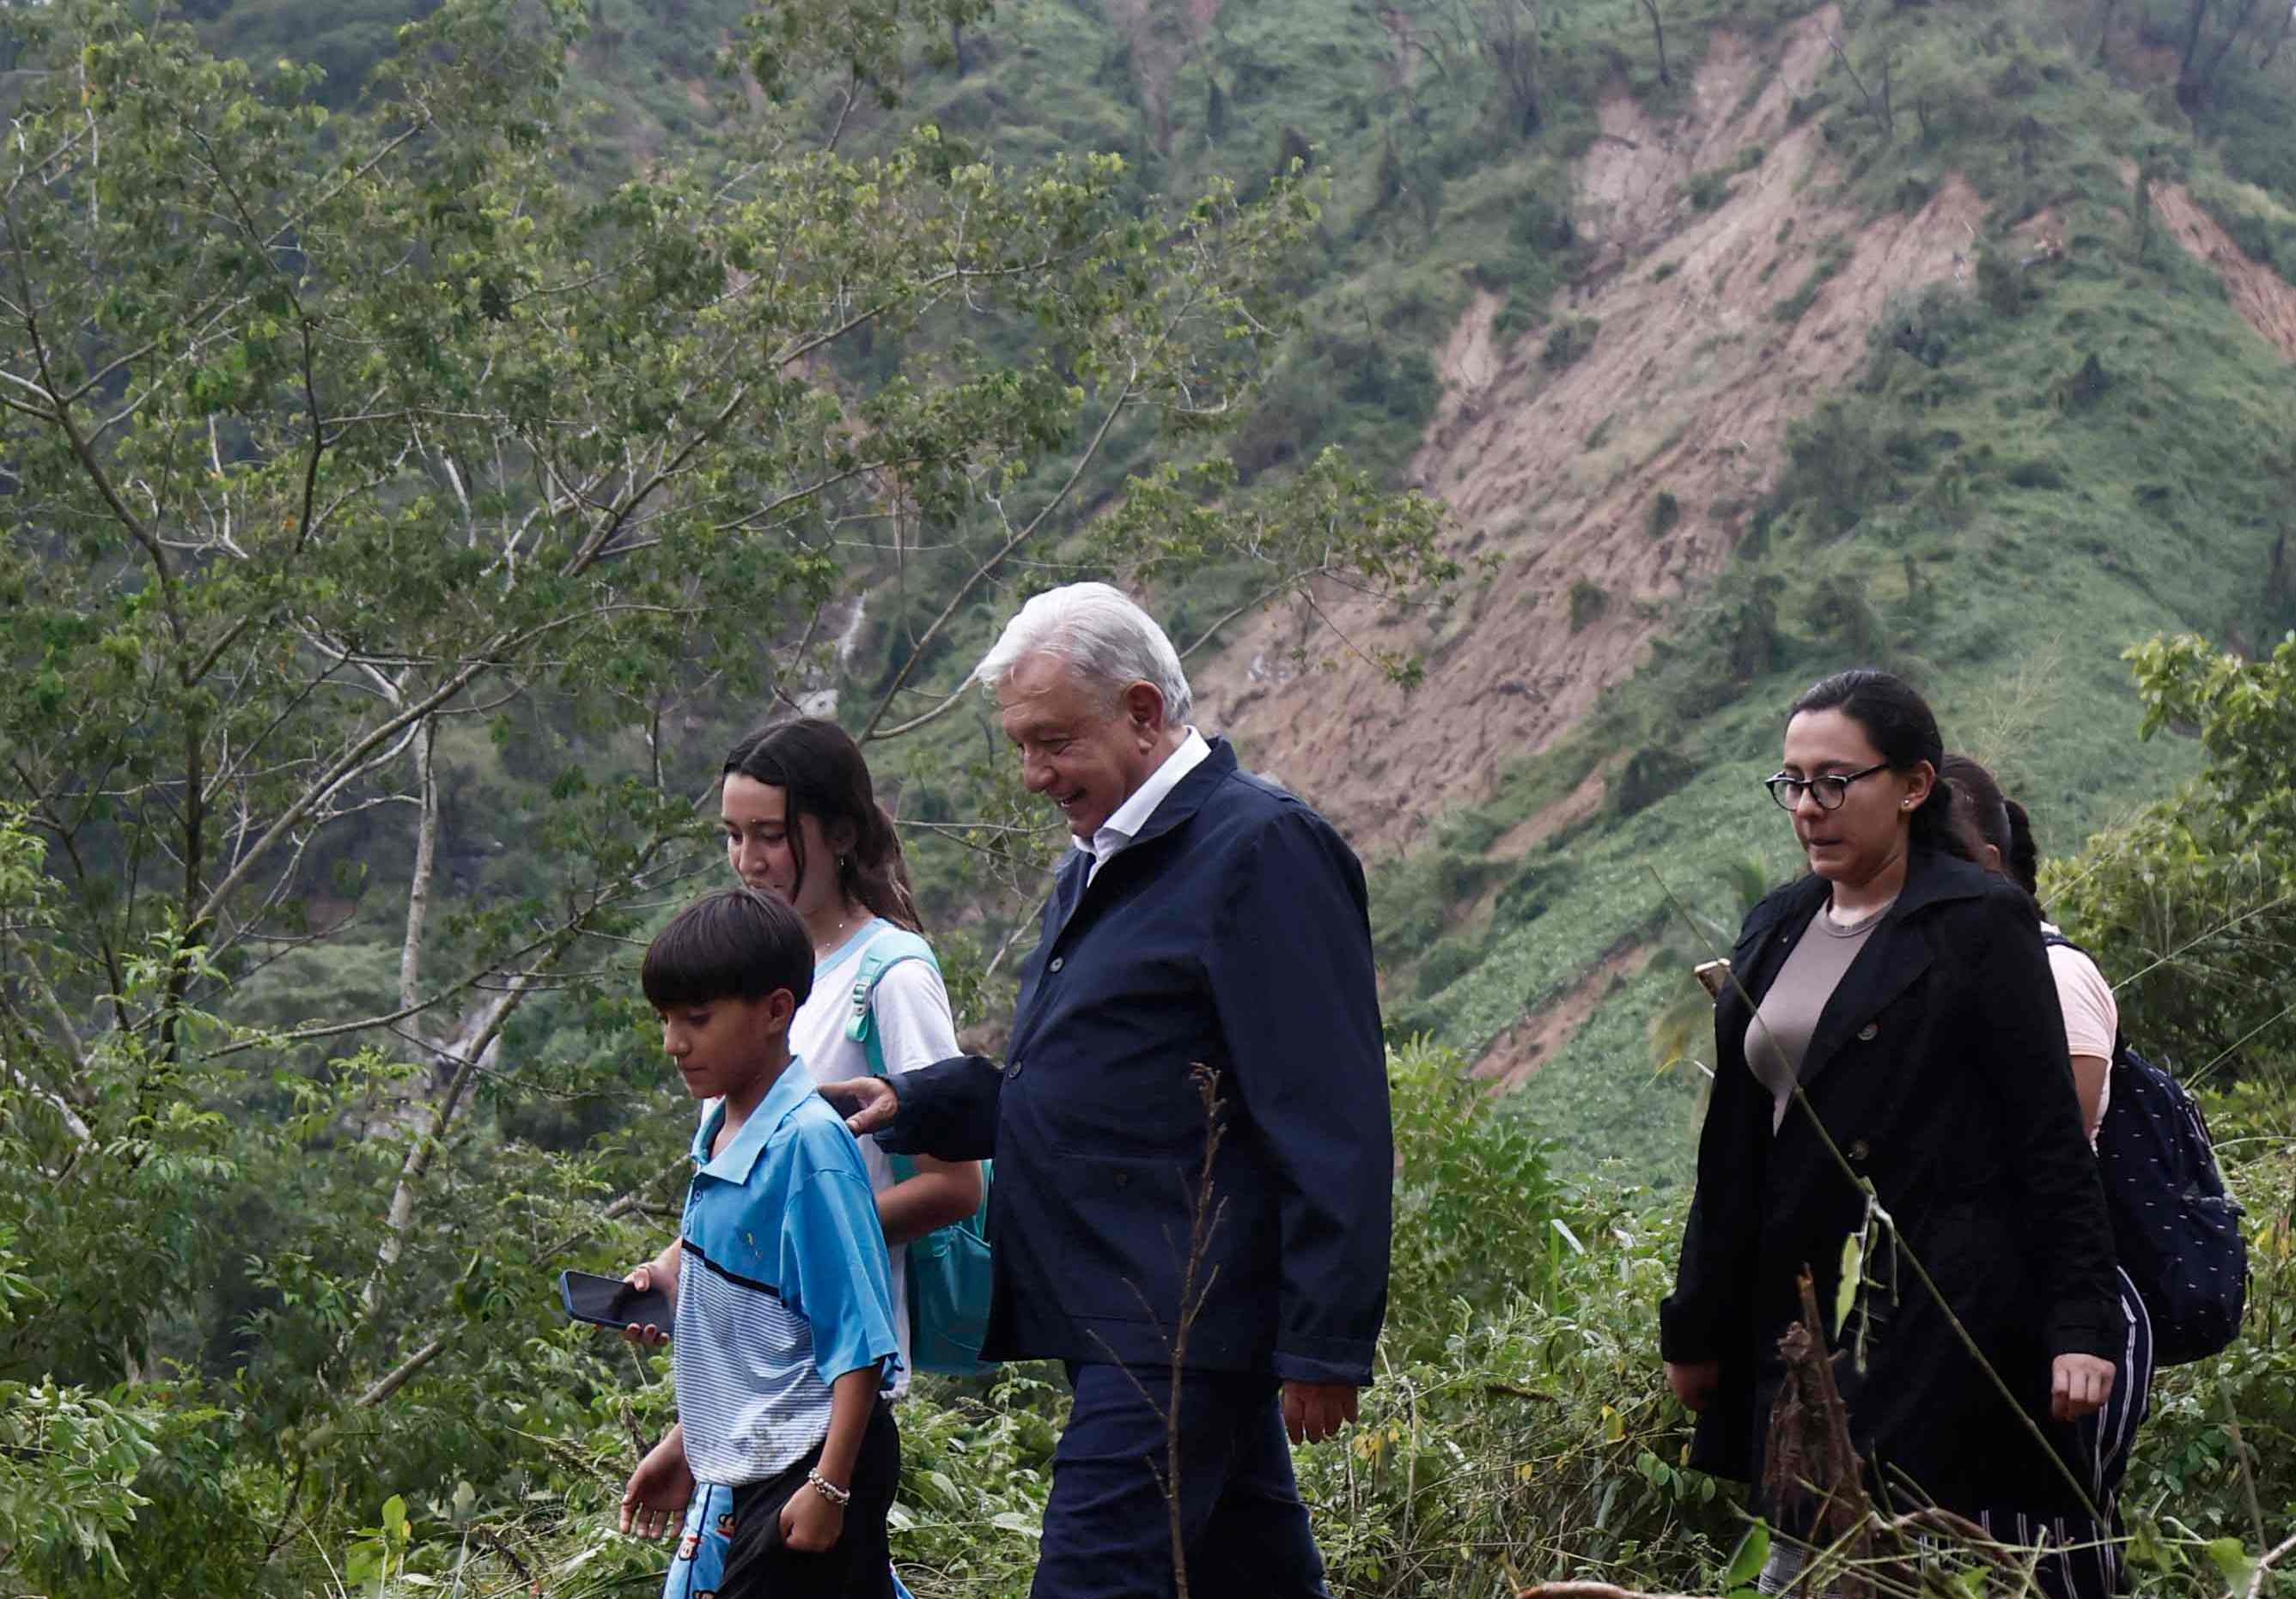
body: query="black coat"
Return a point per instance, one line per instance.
(1232, 931)
(1940, 1070)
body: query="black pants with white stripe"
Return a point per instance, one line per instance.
(2082, 1559)
(2086, 1561)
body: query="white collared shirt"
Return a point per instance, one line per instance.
(1120, 829)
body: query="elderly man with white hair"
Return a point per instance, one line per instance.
(1204, 918)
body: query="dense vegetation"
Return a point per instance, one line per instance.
(325, 838)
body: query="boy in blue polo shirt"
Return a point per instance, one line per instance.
(784, 1319)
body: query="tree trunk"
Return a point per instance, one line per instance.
(2193, 24)
(1657, 32)
(2239, 26)
(465, 1051)
(426, 854)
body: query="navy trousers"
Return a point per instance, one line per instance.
(1108, 1529)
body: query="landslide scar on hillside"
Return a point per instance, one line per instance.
(1687, 389)
(2266, 300)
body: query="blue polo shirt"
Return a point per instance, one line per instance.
(783, 1287)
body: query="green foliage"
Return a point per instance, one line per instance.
(2191, 905)
(2212, 1458)
(1589, 600)
(1478, 1217)
(1569, 341)
(1706, 191)
(1665, 512)
(70, 1459)
(1540, 1444)
(1651, 774)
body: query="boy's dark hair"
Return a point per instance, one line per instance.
(734, 944)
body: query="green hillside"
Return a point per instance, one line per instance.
(613, 385)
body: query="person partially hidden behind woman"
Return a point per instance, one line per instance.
(2001, 836)
(1892, 1020)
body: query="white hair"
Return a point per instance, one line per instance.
(1110, 642)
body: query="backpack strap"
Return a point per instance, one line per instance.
(886, 951)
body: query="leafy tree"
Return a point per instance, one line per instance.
(2190, 906)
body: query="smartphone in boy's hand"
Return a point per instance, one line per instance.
(614, 1302)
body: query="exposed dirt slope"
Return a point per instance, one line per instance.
(2264, 300)
(1531, 1043)
(1161, 34)
(1687, 389)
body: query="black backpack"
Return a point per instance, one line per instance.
(2175, 1229)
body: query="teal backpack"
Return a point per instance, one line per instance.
(947, 1269)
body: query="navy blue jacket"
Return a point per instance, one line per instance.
(1233, 931)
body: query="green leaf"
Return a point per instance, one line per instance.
(1752, 1554)
(2233, 1560)
(394, 1521)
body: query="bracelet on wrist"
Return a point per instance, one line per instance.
(839, 1496)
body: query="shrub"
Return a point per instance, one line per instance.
(2204, 875)
(1651, 774)
(1999, 284)
(1473, 1199)
(1569, 341)
(1543, 224)
(1707, 190)
(1929, 326)
(1835, 466)
(1450, 960)
(1589, 600)
(1664, 513)
(1840, 613)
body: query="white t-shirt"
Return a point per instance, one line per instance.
(2092, 1017)
(913, 1029)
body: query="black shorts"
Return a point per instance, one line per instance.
(858, 1566)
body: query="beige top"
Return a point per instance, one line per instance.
(1779, 1035)
(2092, 1017)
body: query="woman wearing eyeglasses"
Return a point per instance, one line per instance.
(1891, 1026)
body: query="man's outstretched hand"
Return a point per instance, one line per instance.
(1313, 1411)
(867, 1104)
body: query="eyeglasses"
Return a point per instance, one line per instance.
(1829, 790)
